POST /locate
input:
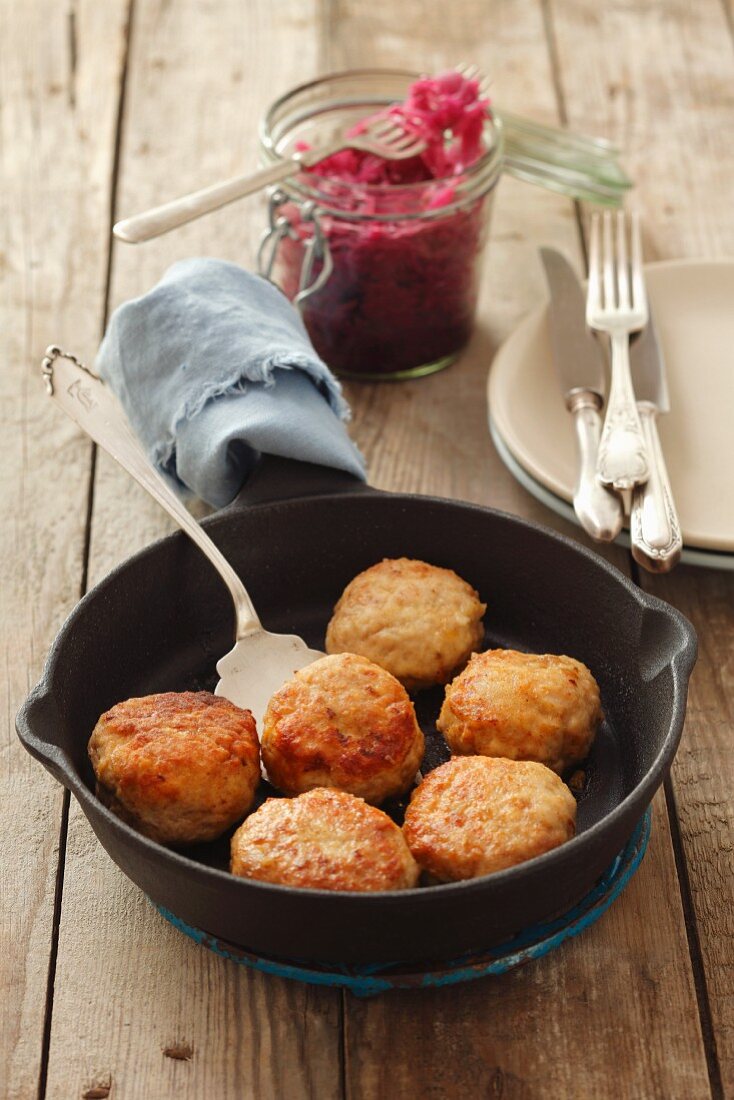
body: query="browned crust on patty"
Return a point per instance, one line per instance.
(342, 722)
(477, 814)
(325, 840)
(418, 621)
(179, 766)
(523, 706)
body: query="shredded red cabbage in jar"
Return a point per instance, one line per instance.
(403, 290)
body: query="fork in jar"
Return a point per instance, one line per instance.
(382, 136)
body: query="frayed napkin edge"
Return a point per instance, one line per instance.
(164, 452)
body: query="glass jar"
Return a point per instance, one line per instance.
(386, 276)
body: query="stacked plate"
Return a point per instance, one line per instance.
(534, 434)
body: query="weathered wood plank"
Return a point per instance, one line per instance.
(431, 435)
(548, 1029)
(514, 39)
(129, 987)
(703, 781)
(661, 79)
(657, 78)
(144, 1011)
(601, 1016)
(58, 99)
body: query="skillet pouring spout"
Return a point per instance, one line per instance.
(162, 620)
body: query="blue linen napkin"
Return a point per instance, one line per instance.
(213, 367)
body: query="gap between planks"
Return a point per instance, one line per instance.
(83, 580)
(692, 936)
(713, 1065)
(54, 950)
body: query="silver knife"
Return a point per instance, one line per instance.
(655, 531)
(580, 370)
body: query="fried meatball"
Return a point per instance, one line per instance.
(525, 706)
(180, 767)
(325, 840)
(417, 621)
(342, 722)
(478, 814)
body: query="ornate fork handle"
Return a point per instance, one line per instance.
(622, 461)
(654, 526)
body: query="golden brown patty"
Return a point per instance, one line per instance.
(525, 706)
(416, 620)
(326, 840)
(478, 814)
(342, 722)
(180, 767)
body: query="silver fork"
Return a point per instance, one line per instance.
(616, 304)
(385, 137)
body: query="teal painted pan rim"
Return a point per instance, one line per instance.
(532, 943)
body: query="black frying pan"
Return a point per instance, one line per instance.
(297, 535)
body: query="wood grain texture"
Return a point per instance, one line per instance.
(57, 123)
(663, 86)
(545, 1030)
(703, 782)
(134, 994)
(129, 987)
(138, 1010)
(657, 79)
(602, 1016)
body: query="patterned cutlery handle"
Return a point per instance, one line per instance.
(654, 526)
(622, 461)
(599, 510)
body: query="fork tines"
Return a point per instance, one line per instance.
(615, 269)
(387, 137)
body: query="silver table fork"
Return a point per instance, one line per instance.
(616, 304)
(385, 137)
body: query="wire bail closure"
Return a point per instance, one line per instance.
(316, 248)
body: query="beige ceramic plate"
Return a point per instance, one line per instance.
(693, 304)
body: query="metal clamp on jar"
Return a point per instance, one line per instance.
(316, 248)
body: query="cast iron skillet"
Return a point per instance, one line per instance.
(297, 535)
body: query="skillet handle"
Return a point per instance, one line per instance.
(275, 478)
(37, 724)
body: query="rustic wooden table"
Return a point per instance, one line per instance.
(108, 107)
